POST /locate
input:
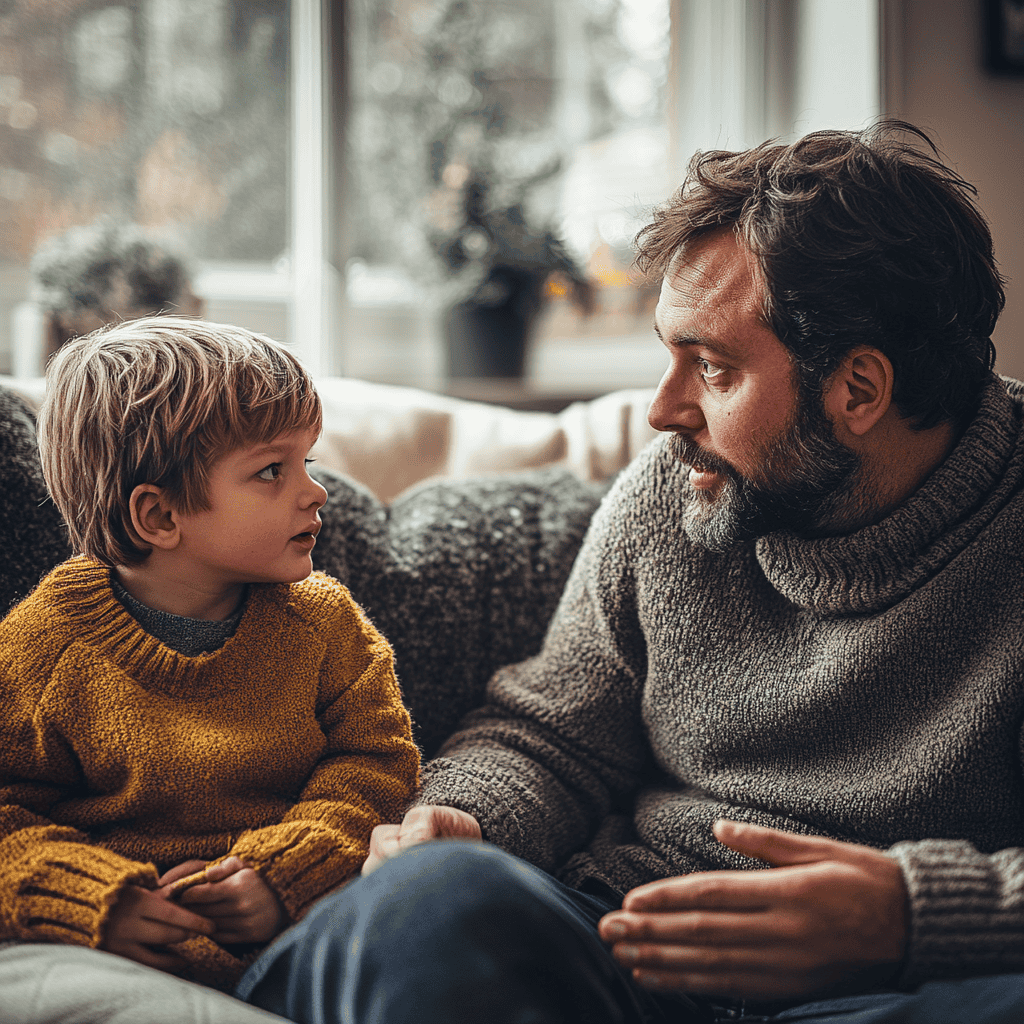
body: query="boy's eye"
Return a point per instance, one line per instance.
(270, 472)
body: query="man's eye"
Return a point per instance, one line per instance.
(270, 472)
(708, 370)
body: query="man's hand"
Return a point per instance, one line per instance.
(829, 916)
(142, 923)
(240, 905)
(419, 825)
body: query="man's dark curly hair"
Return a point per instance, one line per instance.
(863, 239)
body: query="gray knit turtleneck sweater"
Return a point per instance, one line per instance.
(867, 687)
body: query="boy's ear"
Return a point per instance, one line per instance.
(153, 517)
(860, 391)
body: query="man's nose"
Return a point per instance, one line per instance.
(675, 406)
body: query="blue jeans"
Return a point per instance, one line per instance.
(462, 933)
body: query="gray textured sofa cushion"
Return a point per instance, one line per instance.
(32, 535)
(461, 576)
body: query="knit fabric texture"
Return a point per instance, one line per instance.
(868, 687)
(461, 576)
(33, 537)
(122, 758)
(180, 633)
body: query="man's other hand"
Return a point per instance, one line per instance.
(418, 826)
(828, 916)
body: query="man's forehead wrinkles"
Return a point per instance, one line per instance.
(715, 283)
(709, 274)
(711, 319)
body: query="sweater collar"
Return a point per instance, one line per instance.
(82, 587)
(874, 568)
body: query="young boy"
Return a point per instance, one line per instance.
(197, 735)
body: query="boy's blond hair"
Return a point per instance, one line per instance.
(158, 400)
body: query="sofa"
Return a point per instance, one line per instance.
(453, 523)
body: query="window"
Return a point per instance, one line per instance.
(171, 113)
(475, 128)
(316, 156)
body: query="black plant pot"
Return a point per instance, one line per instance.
(489, 339)
(485, 341)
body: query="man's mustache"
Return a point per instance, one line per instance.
(688, 451)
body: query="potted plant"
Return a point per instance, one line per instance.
(496, 266)
(459, 172)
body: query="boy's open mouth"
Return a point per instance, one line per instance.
(307, 536)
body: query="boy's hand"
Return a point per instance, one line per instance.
(241, 906)
(142, 922)
(176, 874)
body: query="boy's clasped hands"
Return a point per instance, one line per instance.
(228, 902)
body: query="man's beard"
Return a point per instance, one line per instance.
(808, 484)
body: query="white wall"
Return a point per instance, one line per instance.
(747, 70)
(940, 84)
(836, 81)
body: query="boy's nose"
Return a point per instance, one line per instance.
(317, 494)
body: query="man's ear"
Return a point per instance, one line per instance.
(859, 393)
(153, 517)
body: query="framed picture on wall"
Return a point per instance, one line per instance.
(1004, 36)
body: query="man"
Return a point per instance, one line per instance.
(771, 750)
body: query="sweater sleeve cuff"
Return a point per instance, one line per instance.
(301, 861)
(68, 893)
(966, 910)
(449, 783)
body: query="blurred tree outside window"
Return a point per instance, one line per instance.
(474, 125)
(173, 114)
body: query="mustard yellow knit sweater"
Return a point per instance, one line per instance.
(121, 758)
